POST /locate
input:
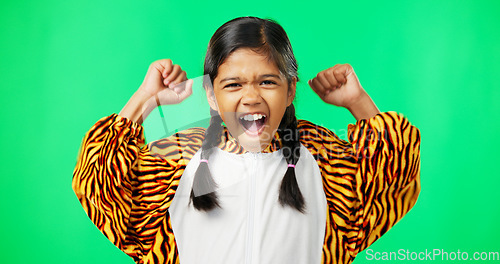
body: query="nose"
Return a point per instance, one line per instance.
(251, 96)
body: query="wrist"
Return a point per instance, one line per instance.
(358, 102)
(363, 107)
(138, 107)
(142, 97)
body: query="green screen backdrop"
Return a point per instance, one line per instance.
(66, 64)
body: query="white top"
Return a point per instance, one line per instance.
(251, 227)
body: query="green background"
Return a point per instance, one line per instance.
(66, 64)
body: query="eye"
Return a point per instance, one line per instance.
(268, 82)
(232, 85)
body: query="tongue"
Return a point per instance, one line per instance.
(253, 126)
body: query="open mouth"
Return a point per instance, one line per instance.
(253, 123)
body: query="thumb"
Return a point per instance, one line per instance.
(185, 90)
(349, 71)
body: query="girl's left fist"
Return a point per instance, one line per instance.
(338, 85)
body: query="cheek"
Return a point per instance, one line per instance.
(278, 115)
(221, 100)
(227, 108)
(278, 108)
(278, 100)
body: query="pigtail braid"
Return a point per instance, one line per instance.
(289, 191)
(203, 193)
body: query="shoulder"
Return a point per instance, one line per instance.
(386, 125)
(187, 136)
(305, 126)
(187, 141)
(311, 133)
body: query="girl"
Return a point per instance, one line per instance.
(258, 185)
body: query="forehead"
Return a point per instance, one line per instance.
(245, 62)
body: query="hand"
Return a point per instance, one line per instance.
(166, 81)
(338, 86)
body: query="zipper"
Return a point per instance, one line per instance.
(251, 209)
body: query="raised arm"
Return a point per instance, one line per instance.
(115, 169)
(387, 150)
(101, 179)
(384, 154)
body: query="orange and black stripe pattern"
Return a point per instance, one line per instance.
(126, 186)
(370, 182)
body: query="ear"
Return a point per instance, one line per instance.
(291, 91)
(211, 99)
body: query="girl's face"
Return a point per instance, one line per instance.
(251, 96)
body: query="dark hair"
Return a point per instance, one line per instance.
(266, 37)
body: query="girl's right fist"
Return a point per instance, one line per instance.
(166, 81)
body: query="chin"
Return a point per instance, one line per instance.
(255, 143)
(252, 144)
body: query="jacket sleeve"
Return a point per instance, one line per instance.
(387, 180)
(107, 180)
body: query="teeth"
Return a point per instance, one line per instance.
(253, 117)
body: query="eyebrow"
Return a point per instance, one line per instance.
(238, 78)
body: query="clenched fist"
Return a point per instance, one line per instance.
(338, 85)
(167, 81)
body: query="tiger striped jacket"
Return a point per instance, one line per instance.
(126, 187)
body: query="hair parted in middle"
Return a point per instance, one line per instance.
(266, 37)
